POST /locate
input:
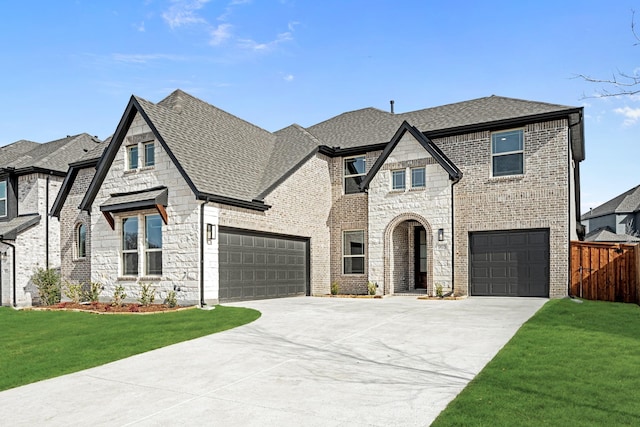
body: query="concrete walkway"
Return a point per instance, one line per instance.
(306, 362)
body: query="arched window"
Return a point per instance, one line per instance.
(81, 241)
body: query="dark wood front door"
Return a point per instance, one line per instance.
(420, 251)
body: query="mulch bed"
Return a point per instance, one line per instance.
(103, 308)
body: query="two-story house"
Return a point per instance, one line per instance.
(617, 220)
(478, 197)
(31, 175)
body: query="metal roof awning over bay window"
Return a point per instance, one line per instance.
(154, 198)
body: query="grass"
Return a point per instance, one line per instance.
(36, 345)
(571, 364)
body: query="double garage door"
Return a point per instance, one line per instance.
(256, 265)
(510, 263)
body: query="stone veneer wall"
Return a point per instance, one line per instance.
(31, 250)
(537, 199)
(300, 206)
(394, 214)
(348, 212)
(180, 237)
(72, 268)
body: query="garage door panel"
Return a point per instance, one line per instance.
(509, 263)
(260, 266)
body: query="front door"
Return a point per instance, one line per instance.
(420, 245)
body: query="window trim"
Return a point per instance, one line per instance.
(124, 251)
(363, 255)
(344, 172)
(148, 250)
(506, 153)
(424, 177)
(145, 162)
(5, 199)
(397, 172)
(78, 241)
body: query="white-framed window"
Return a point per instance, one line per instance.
(141, 155)
(132, 157)
(3, 199)
(418, 177)
(153, 245)
(149, 154)
(354, 173)
(398, 179)
(353, 252)
(81, 240)
(130, 246)
(148, 250)
(507, 153)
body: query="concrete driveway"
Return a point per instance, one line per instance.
(306, 361)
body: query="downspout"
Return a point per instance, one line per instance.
(46, 224)
(453, 239)
(202, 303)
(0, 279)
(13, 268)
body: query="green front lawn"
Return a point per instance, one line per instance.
(570, 365)
(35, 345)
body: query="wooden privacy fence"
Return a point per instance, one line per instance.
(605, 271)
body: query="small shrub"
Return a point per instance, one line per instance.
(371, 287)
(147, 294)
(118, 296)
(73, 291)
(172, 299)
(335, 288)
(48, 283)
(91, 291)
(439, 293)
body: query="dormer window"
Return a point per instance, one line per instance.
(354, 173)
(3, 199)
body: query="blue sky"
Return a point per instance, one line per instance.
(70, 66)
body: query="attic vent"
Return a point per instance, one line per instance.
(392, 102)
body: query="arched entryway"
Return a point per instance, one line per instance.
(408, 255)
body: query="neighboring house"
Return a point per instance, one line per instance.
(616, 220)
(30, 176)
(478, 197)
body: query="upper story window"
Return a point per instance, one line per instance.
(147, 149)
(3, 199)
(149, 154)
(398, 179)
(418, 178)
(81, 241)
(354, 172)
(132, 157)
(507, 153)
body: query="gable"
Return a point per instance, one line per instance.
(402, 148)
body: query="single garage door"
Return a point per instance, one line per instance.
(255, 265)
(510, 263)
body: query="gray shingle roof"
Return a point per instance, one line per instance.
(625, 203)
(372, 126)
(10, 229)
(606, 235)
(55, 155)
(223, 155)
(220, 153)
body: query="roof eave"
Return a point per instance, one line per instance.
(255, 204)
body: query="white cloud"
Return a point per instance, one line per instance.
(183, 12)
(265, 47)
(220, 34)
(139, 27)
(632, 115)
(288, 78)
(145, 58)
